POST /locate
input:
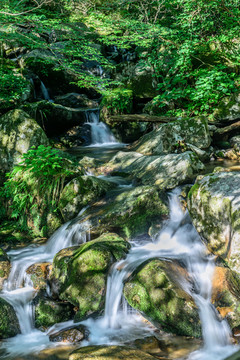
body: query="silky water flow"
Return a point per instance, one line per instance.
(100, 132)
(177, 240)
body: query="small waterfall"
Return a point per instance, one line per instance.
(177, 240)
(18, 289)
(44, 91)
(100, 133)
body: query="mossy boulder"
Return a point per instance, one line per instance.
(39, 274)
(130, 212)
(153, 292)
(5, 267)
(165, 172)
(18, 132)
(9, 325)
(166, 138)
(228, 110)
(113, 352)
(79, 275)
(72, 335)
(80, 192)
(49, 312)
(214, 206)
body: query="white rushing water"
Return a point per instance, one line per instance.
(44, 91)
(19, 292)
(100, 132)
(177, 240)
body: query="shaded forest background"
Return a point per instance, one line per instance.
(191, 46)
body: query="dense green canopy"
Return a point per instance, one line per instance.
(192, 46)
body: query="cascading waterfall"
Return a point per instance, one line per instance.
(18, 289)
(177, 240)
(44, 91)
(100, 133)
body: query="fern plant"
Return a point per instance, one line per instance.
(33, 188)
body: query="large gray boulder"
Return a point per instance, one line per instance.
(166, 171)
(167, 137)
(18, 133)
(130, 212)
(214, 205)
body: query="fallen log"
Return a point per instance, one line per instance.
(142, 118)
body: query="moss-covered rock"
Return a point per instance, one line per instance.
(79, 275)
(152, 292)
(80, 192)
(165, 172)
(214, 205)
(9, 325)
(228, 110)
(165, 139)
(113, 352)
(49, 312)
(39, 274)
(5, 267)
(72, 335)
(130, 212)
(18, 132)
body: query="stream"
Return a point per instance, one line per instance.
(178, 240)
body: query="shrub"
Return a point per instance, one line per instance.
(33, 188)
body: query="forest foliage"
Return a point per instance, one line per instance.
(192, 46)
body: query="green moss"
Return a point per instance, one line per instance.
(152, 292)
(9, 325)
(49, 312)
(193, 191)
(81, 274)
(134, 211)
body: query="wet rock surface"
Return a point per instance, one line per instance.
(5, 267)
(39, 274)
(79, 275)
(9, 324)
(130, 212)
(214, 206)
(73, 335)
(155, 294)
(49, 312)
(80, 192)
(109, 352)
